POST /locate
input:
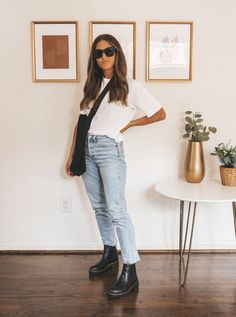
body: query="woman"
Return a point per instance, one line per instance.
(105, 174)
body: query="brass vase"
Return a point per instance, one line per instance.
(194, 162)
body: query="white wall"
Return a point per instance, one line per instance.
(37, 121)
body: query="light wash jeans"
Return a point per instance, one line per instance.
(104, 181)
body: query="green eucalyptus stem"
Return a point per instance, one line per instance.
(194, 129)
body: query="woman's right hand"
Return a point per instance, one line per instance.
(67, 167)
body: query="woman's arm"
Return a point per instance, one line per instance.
(158, 116)
(72, 148)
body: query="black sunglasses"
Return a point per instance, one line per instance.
(109, 51)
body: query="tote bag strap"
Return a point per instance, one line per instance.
(98, 101)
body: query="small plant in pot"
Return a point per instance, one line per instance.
(226, 154)
(196, 133)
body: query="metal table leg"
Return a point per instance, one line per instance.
(234, 214)
(182, 252)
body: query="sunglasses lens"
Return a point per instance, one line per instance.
(109, 51)
(98, 53)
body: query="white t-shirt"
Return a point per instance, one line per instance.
(112, 117)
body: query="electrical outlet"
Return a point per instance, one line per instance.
(65, 204)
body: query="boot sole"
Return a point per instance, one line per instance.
(105, 269)
(133, 287)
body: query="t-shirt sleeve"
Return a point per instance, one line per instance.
(140, 97)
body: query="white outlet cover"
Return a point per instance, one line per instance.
(65, 204)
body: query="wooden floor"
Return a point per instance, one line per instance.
(58, 285)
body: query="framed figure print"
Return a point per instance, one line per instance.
(169, 51)
(55, 51)
(125, 32)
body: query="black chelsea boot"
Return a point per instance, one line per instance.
(127, 282)
(108, 260)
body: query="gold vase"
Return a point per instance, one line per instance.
(194, 162)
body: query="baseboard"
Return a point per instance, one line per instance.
(94, 247)
(154, 251)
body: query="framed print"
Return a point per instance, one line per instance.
(124, 32)
(55, 51)
(169, 51)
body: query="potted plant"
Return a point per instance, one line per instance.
(196, 133)
(226, 154)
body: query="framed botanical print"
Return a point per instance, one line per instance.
(124, 32)
(55, 51)
(169, 51)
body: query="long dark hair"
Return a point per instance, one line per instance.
(119, 86)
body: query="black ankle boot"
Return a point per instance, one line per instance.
(108, 260)
(127, 282)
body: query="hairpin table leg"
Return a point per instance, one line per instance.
(234, 214)
(181, 247)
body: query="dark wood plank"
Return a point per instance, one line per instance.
(59, 285)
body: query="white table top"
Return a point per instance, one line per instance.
(206, 191)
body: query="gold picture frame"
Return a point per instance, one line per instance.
(55, 51)
(169, 51)
(125, 32)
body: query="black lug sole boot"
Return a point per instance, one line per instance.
(127, 282)
(109, 259)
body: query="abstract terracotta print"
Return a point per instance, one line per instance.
(55, 51)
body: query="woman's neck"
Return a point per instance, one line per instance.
(108, 73)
